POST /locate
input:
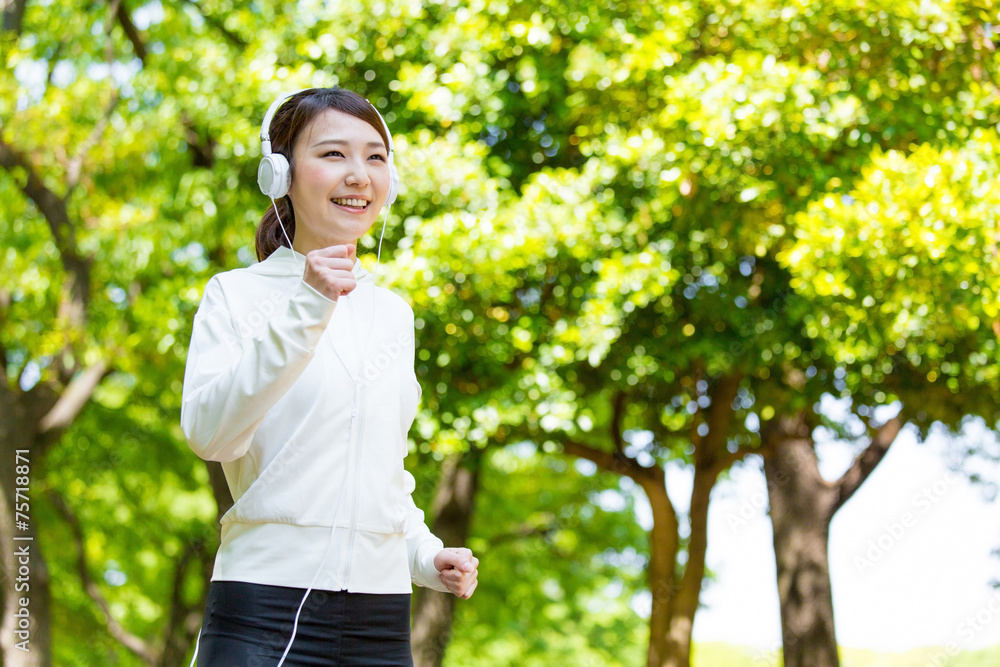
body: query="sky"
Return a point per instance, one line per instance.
(910, 553)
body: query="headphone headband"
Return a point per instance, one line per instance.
(388, 134)
(265, 127)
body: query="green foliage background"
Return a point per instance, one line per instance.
(598, 198)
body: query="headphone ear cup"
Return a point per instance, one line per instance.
(273, 175)
(393, 184)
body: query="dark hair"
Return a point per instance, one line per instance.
(291, 118)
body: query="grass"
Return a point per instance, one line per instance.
(714, 654)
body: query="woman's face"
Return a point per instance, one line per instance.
(340, 180)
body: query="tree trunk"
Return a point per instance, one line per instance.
(689, 592)
(664, 544)
(25, 574)
(433, 611)
(185, 622)
(802, 505)
(674, 603)
(670, 641)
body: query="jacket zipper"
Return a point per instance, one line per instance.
(358, 422)
(356, 445)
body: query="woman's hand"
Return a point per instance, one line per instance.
(330, 270)
(458, 571)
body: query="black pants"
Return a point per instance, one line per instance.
(249, 625)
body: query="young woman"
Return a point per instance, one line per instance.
(300, 381)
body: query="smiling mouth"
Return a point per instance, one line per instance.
(351, 202)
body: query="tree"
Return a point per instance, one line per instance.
(181, 81)
(614, 228)
(755, 139)
(469, 295)
(92, 305)
(902, 272)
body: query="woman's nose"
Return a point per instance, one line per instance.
(356, 173)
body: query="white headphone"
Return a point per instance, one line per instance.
(274, 175)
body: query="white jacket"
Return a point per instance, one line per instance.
(307, 403)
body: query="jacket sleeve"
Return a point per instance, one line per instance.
(421, 544)
(234, 376)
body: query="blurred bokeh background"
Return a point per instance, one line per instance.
(660, 253)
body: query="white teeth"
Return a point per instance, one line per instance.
(359, 203)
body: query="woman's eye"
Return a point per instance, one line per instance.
(333, 153)
(377, 157)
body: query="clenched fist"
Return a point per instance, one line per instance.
(329, 270)
(458, 570)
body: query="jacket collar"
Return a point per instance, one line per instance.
(286, 262)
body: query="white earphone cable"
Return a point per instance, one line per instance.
(378, 256)
(329, 544)
(280, 223)
(197, 641)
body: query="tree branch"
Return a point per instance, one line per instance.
(53, 209)
(232, 37)
(73, 398)
(616, 462)
(177, 607)
(183, 615)
(130, 641)
(617, 415)
(131, 32)
(48, 202)
(54, 60)
(203, 150)
(720, 416)
(725, 459)
(866, 462)
(525, 530)
(693, 436)
(13, 15)
(4, 306)
(220, 488)
(73, 169)
(109, 23)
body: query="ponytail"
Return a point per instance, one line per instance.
(269, 236)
